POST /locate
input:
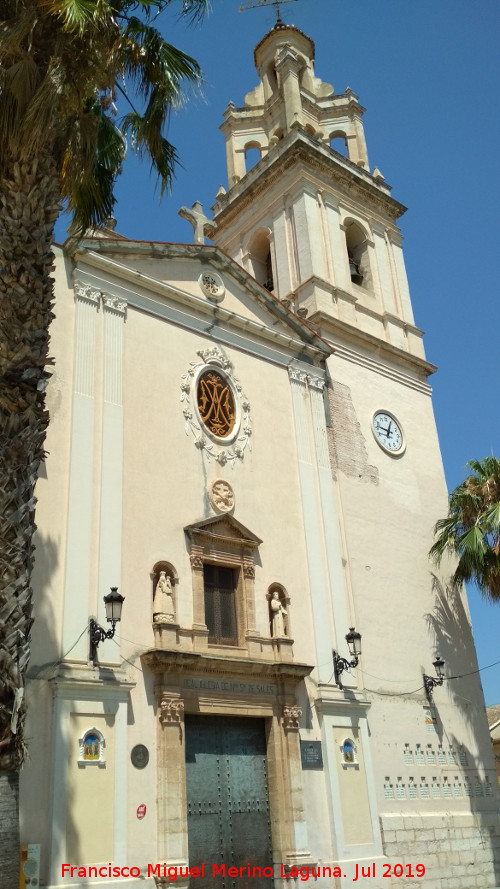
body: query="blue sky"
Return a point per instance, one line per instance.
(427, 72)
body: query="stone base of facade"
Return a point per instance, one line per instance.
(458, 851)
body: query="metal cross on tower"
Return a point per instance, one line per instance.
(256, 4)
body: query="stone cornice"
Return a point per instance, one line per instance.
(339, 105)
(352, 344)
(161, 660)
(300, 149)
(105, 255)
(330, 699)
(90, 683)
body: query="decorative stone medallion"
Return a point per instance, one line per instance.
(216, 411)
(221, 495)
(212, 285)
(139, 756)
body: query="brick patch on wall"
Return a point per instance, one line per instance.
(346, 443)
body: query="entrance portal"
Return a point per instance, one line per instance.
(227, 801)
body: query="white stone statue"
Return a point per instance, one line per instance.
(163, 602)
(278, 615)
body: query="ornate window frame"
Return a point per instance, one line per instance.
(222, 450)
(222, 540)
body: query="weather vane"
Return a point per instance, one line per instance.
(256, 4)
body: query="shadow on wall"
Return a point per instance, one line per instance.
(36, 775)
(475, 774)
(454, 642)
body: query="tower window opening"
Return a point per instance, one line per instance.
(357, 255)
(252, 155)
(261, 259)
(338, 143)
(272, 77)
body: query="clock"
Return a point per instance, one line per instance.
(388, 432)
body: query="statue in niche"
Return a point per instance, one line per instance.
(163, 602)
(278, 615)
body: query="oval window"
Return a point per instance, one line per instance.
(215, 403)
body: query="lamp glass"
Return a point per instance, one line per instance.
(353, 640)
(438, 665)
(113, 602)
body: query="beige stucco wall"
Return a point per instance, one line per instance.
(89, 831)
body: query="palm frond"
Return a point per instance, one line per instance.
(76, 15)
(92, 162)
(42, 110)
(195, 10)
(146, 139)
(155, 66)
(471, 530)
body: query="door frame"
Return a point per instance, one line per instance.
(199, 684)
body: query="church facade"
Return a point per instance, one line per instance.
(242, 441)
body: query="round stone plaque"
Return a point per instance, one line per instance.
(140, 756)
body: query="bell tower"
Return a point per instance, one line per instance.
(303, 212)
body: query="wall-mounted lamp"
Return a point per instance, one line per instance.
(431, 682)
(340, 664)
(113, 602)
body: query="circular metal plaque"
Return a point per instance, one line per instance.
(140, 756)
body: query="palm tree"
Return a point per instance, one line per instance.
(471, 529)
(64, 67)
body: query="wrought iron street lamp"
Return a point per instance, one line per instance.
(431, 682)
(113, 602)
(340, 664)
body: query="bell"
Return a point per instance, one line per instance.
(354, 272)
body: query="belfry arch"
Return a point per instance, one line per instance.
(260, 260)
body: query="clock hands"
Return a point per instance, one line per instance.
(388, 436)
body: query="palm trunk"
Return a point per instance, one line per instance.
(29, 206)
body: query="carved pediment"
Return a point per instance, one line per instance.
(223, 528)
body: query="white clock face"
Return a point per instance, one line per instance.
(388, 432)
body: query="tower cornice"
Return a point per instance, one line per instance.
(301, 150)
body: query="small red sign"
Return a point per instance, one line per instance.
(141, 811)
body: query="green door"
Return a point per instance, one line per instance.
(227, 800)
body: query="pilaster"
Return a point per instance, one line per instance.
(310, 252)
(330, 511)
(290, 727)
(338, 250)
(282, 255)
(394, 239)
(311, 508)
(78, 579)
(171, 772)
(287, 65)
(362, 158)
(110, 525)
(381, 246)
